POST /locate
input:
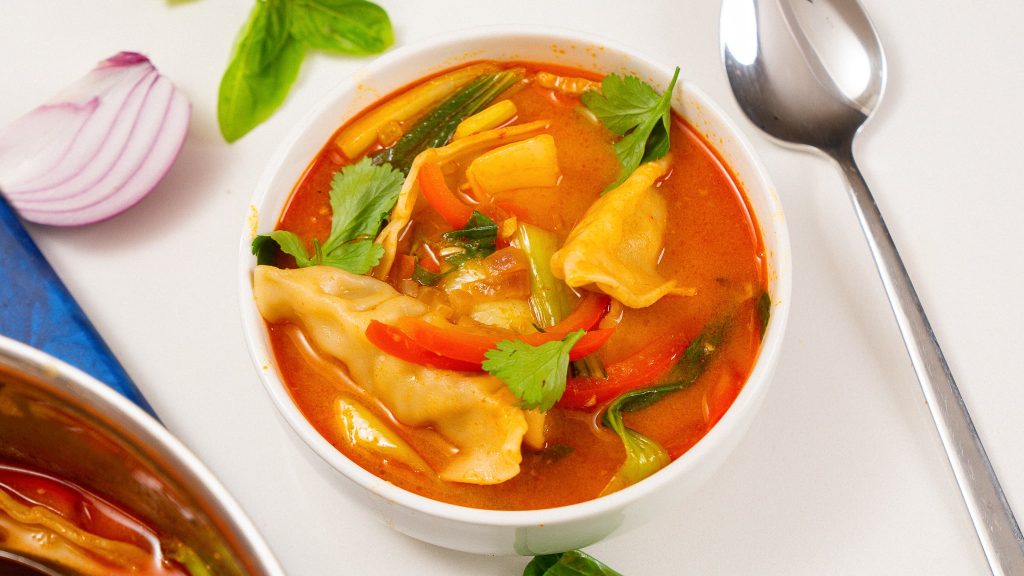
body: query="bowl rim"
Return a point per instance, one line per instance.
(65, 378)
(730, 424)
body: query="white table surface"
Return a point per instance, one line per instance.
(842, 473)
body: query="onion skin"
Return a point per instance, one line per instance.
(98, 147)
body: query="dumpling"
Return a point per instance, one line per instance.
(475, 412)
(616, 245)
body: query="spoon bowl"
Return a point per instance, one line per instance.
(806, 73)
(810, 73)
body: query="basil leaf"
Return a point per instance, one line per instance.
(263, 68)
(571, 563)
(355, 27)
(540, 565)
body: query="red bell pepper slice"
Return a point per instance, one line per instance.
(638, 371)
(436, 192)
(588, 312)
(470, 346)
(392, 341)
(590, 342)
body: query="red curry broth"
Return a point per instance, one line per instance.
(711, 243)
(88, 513)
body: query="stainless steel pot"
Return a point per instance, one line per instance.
(56, 418)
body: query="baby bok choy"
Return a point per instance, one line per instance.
(644, 456)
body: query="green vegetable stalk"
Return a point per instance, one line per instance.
(549, 296)
(436, 128)
(644, 456)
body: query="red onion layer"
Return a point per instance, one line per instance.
(96, 148)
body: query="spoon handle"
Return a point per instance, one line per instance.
(993, 519)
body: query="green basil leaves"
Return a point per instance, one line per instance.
(273, 44)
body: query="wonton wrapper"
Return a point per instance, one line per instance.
(616, 245)
(475, 412)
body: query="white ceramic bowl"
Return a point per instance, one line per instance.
(554, 529)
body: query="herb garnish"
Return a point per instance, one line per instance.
(571, 563)
(272, 46)
(631, 108)
(476, 239)
(425, 277)
(535, 374)
(362, 195)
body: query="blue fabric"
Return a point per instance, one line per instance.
(37, 309)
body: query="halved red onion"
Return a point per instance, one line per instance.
(96, 148)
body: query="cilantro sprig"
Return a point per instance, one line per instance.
(535, 374)
(362, 195)
(631, 108)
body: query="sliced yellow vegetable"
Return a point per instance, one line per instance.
(491, 117)
(365, 431)
(357, 138)
(459, 149)
(511, 314)
(566, 84)
(531, 163)
(534, 437)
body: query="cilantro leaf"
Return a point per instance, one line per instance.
(633, 109)
(623, 103)
(352, 256)
(362, 196)
(535, 374)
(292, 245)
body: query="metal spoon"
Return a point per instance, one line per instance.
(810, 73)
(13, 564)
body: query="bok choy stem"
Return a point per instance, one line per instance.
(549, 296)
(645, 456)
